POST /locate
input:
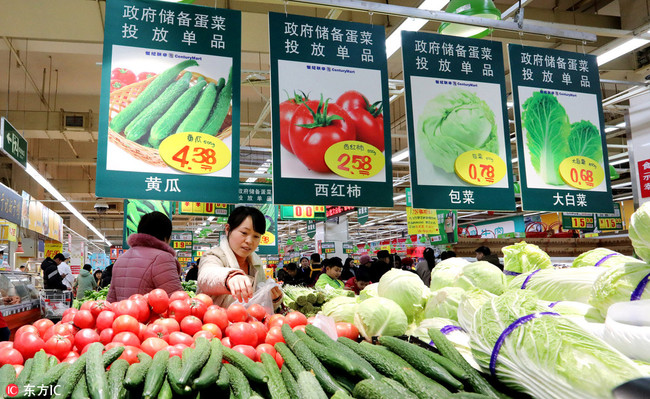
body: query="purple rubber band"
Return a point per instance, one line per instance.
(638, 291)
(508, 331)
(523, 286)
(553, 304)
(451, 328)
(509, 273)
(605, 258)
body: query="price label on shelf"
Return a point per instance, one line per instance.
(610, 223)
(196, 153)
(268, 238)
(354, 159)
(581, 222)
(480, 168)
(582, 172)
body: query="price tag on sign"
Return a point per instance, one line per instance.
(609, 223)
(267, 239)
(582, 172)
(581, 222)
(354, 159)
(480, 168)
(196, 153)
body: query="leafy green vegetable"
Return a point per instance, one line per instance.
(571, 284)
(617, 283)
(369, 292)
(380, 316)
(547, 130)
(453, 123)
(577, 311)
(584, 140)
(341, 308)
(603, 257)
(523, 258)
(406, 289)
(467, 276)
(444, 303)
(640, 231)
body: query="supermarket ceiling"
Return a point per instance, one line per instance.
(50, 67)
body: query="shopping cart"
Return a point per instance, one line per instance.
(54, 303)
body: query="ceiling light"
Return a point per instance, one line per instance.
(621, 125)
(619, 185)
(394, 41)
(624, 198)
(400, 155)
(610, 129)
(470, 8)
(399, 197)
(515, 160)
(623, 48)
(510, 104)
(619, 161)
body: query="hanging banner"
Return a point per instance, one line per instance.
(644, 177)
(334, 149)
(8, 231)
(11, 205)
(12, 143)
(302, 212)
(349, 248)
(204, 208)
(169, 106)
(133, 211)
(458, 129)
(422, 221)
(184, 257)
(252, 193)
(610, 221)
(269, 242)
(311, 228)
(52, 248)
(561, 143)
(362, 215)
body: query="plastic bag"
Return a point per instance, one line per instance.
(627, 328)
(327, 324)
(262, 296)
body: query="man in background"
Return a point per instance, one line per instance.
(483, 253)
(65, 271)
(381, 265)
(316, 269)
(51, 277)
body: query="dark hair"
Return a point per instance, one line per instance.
(362, 275)
(383, 254)
(397, 260)
(59, 256)
(447, 255)
(315, 258)
(304, 257)
(335, 261)
(156, 224)
(240, 214)
(291, 266)
(348, 262)
(88, 267)
(430, 256)
(97, 271)
(484, 250)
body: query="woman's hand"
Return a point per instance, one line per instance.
(240, 287)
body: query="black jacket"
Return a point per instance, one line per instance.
(51, 277)
(107, 275)
(494, 259)
(378, 269)
(192, 274)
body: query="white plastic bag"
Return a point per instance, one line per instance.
(627, 328)
(262, 296)
(327, 324)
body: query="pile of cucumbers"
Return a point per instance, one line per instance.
(169, 105)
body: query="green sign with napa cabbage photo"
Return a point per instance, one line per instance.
(561, 143)
(458, 129)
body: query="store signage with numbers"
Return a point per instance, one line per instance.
(302, 212)
(204, 208)
(458, 129)
(348, 248)
(334, 148)
(328, 247)
(594, 221)
(182, 240)
(169, 129)
(560, 130)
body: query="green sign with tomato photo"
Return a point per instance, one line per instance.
(331, 126)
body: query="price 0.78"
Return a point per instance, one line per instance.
(486, 172)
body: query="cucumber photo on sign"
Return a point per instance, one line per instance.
(135, 209)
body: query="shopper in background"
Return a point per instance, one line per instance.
(150, 263)
(483, 253)
(397, 261)
(424, 267)
(447, 255)
(98, 276)
(232, 271)
(316, 269)
(65, 271)
(5, 333)
(22, 268)
(358, 282)
(380, 266)
(349, 270)
(52, 279)
(365, 261)
(333, 268)
(193, 273)
(289, 275)
(85, 282)
(106, 276)
(304, 270)
(407, 264)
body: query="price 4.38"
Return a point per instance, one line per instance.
(203, 156)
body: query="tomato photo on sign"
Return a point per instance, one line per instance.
(144, 76)
(315, 126)
(368, 118)
(124, 75)
(287, 109)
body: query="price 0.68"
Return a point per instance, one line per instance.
(582, 176)
(581, 172)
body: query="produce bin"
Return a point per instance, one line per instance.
(54, 303)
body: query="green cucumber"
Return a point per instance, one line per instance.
(40, 366)
(45, 380)
(238, 382)
(174, 366)
(112, 355)
(210, 372)
(252, 370)
(195, 120)
(326, 355)
(148, 95)
(165, 391)
(220, 111)
(115, 377)
(275, 383)
(374, 389)
(137, 372)
(401, 389)
(341, 395)
(418, 358)
(23, 377)
(95, 372)
(291, 384)
(309, 386)
(223, 382)
(52, 361)
(469, 395)
(155, 375)
(452, 367)
(7, 376)
(291, 362)
(193, 363)
(69, 380)
(81, 390)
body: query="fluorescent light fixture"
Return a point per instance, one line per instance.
(621, 125)
(623, 48)
(211, 218)
(610, 129)
(394, 41)
(619, 161)
(510, 104)
(50, 189)
(399, 197)
(400, 155)
(619, 185)
(515, 160)
(261, 170)
(624, 198)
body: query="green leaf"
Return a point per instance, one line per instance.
(585, 140)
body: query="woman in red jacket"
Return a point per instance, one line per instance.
(150, 262)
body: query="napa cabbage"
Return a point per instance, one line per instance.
(640, 231)
(571, 284)
(618, 283)
(523, 258)
(585, 140)
(467, 276)
(601, 257)
(380, 316)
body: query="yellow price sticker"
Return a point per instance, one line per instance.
(480, 168)
(580, 222)
(608, 223)
(196, 153)
(354, 159)
(268, 238)
(581, 172)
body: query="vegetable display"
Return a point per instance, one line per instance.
(640, 231)
(523, 258)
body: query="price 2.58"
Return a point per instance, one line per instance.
(361, 163)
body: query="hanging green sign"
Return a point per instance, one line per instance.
(362, 215)
(328, 247)
(252, 193)
(13, 143)
(311, 228)
(561, 142)
(302, 212)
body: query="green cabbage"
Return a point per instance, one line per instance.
(571, 284)
(585, 141)
(369, 292)
(455, 122)
(406, 289)
(380, 316)
(444, 303)
(617, 283)
(591, 258)
(640, 231)
(547, 130)
(467, 276)
(523, 258)
(576, 311)
(341, 308)
(548, 356)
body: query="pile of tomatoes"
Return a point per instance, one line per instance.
(152, 322)
(121, 77)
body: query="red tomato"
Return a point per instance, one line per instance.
(28, 344)
(59, 346)
(236, 313)
(348, 330)
(106, 336)
(274, 335)
(216, 315)
(156, 331)
(178, 337)
(174, 350)
(85, 337)
(99, 307)
(197, 308)
(126, 323)
(226, 342)
(71, 358)
(213, 329)
(71, 310)
(170, 324)
(246, 350)
(112, 345)
(299, 328)
(179, 309)
(182, 295)
(191, 325)
(158, 300)
(123, 75)
(152, 345)
(11, 356)
(242, 334)
(127, 338)
(143, 308)
(367, 118)
(68, 318)
(279, 360)
(264, 348)
(141, 331)
(87, 305)
(84, 319)
(260, 330)
(295, 319)
(61, 329)
(205, 299)
(26, 329)
(6, 345)
(127, 307)
(287, 109)
(130, 354)
(145, 75)
(203, 333)
(105, 320)
(42, 325)
(277, 320)
(332, 124)
(257, 311)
